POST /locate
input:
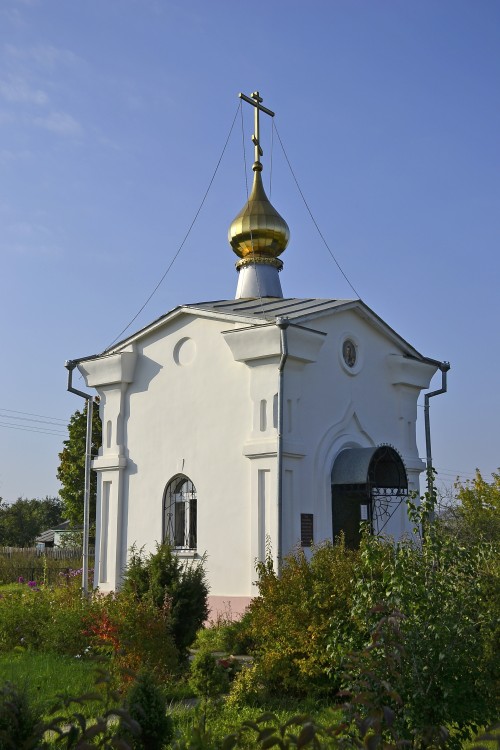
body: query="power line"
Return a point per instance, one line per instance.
(29, 419)
(37, 430)
(312, 217)
(185, 237)
(30, 414)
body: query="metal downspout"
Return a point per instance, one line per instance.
(444, 367)
(282, 324)
(70, 366)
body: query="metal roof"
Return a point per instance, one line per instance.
(270, 307)
(265, 310)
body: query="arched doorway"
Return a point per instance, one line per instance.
(368, 484)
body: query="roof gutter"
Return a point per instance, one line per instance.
(282, 324)
(444, 367)
(70, 366)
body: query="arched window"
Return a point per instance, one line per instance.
(179, 507)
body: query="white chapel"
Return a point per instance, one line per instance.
(260, 422)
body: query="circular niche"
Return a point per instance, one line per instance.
(184, 352)
(350, 354)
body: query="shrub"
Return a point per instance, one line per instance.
(162, 579)
(146, 705)
(43, 617)
(290, 622)
(24, 614)
(444, 591)
(63, 631)
(136, 634)
(17, 720)
(209, 678)
(225, 634)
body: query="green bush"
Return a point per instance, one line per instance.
(146, 705)
(208, 677)
(289, 624)
(308, 623)
(134, 634)
(225, 634)
(167, 583)
(447, 594)
(64, 632)
(43, 617)
(24, 613)
(18, 721)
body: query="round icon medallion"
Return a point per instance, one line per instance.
(349, 352)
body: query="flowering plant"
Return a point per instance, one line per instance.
(230, 665)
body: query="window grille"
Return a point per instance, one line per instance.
(306, 529)
(180, 513)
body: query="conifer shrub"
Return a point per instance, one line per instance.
(166, 582)
(147, 706)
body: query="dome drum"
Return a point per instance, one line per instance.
(254, 258)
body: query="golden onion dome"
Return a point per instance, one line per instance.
(258, 233)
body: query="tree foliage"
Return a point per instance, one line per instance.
(21, 522)
(446, 594)
(71, 471)
(475, 512)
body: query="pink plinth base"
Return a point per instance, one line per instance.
(227, 607)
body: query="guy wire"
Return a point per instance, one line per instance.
(183, 241)
(312, 217)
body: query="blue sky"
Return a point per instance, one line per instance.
(113, 115)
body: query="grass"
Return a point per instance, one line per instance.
(8, 588)
(222, 719)
(46, 677)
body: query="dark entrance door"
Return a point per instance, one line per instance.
(368, 484)
(350, 506)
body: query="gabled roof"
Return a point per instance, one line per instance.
(265, 311)
(270, 308)
(48, 534)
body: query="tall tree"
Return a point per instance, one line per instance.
(71, 471)
(22, 521)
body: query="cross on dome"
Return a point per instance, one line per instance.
(256, 101)
(258, 234)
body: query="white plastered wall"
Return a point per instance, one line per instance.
(198, 397)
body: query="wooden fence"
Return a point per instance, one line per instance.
(52, 553)
(47, 565)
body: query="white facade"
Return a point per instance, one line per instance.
(196, 395)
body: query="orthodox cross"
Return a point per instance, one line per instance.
(255, 100)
